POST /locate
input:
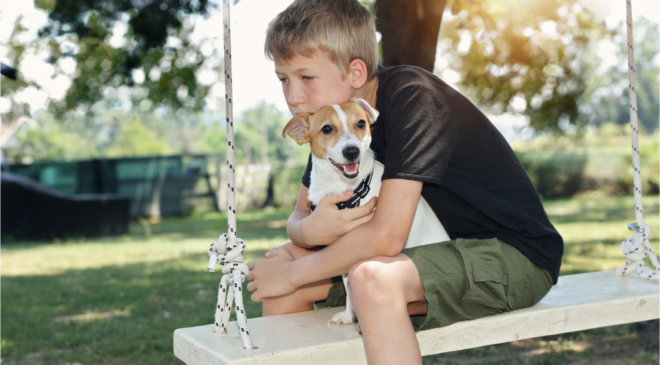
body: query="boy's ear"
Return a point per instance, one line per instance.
(371, 112)
(298, 129)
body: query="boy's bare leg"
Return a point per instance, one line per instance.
(304, 297)
(385, 291)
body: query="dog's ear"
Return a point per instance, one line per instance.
(371, 112)
(298, 129)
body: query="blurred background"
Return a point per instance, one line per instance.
(113, 149)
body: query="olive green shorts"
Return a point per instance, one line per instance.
(467, 279)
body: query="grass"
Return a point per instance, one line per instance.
(117, 300)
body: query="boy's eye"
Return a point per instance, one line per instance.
(284, 79)
(326, 129)
(307, 78)
(361, 124)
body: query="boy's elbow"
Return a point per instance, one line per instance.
(390, 243)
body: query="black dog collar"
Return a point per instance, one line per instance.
(359, 193)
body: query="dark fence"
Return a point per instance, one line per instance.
(157, 186)
(32, 211)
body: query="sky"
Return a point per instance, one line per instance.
(254, 77)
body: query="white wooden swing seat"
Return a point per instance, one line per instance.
(577, 302)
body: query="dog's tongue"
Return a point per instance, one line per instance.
(350, 168)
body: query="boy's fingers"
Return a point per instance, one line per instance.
(255, 297)
(251, 264)
(371, 204)
(361, 221)
(338, 198)
(252, 287)
(364, 210)
(249, 276)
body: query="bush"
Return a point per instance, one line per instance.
(286, 185)
(555, 174)
(649, 158)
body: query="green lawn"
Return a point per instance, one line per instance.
(118, 300)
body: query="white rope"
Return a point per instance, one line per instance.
(638, 247)
(228, 249)
(231, 259)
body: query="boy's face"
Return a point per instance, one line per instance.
(309, 84)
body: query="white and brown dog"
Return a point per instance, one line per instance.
(339, 137)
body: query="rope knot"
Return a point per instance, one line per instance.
(223, 252)
(636, 249)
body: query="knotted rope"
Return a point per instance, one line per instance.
(231, 259)
(638, 247)
(228, 249)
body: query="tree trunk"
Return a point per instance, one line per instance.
(409, 30)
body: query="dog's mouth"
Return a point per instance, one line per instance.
(350, 170)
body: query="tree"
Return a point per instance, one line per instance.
(249, 137)
(409, 31)
(156, 47)
(525, 57)
(607, 94)
(520, 56)
(16, 53)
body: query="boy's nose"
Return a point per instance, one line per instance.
(351, 152)
(295, 96)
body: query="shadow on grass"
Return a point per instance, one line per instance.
(132, 312)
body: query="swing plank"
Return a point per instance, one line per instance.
(577, 302)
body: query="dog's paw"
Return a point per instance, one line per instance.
(345, 317)
(358, 330)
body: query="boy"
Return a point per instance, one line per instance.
(504, 252)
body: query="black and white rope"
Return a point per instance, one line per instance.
(638, 247)
(230, 256)
(228, 249)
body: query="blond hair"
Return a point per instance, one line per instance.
(344, 29)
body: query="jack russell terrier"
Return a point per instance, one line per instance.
(339, 137)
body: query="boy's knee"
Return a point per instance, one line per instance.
(370, 274)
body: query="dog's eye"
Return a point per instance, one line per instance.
(326, 129)
(361, 124)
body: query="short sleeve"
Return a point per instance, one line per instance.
(308, 172)
(420, 135)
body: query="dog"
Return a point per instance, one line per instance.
(339, 138)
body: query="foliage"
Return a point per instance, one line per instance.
(116, 42)
(108, 131)
(16, 52)
(214, 141)
(286, 184)
(259, 131)
(600, 158)
(555, 175)
(522, 56)
(607, 94)
(50, 141)
(135, 139)
(649, 155)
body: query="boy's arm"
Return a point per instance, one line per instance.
(302, 210)
(328, 223)
(384, 235)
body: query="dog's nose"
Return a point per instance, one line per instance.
(351, 152)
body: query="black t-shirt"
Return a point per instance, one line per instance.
(473, 181)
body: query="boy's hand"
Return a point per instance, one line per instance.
(270, 277)
(327, 223)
